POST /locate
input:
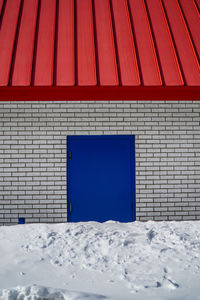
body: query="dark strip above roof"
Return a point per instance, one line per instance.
(99, 49)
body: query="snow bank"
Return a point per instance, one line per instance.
(114, 260)
(39, 292)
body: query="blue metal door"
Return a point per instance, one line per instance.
(101, 178)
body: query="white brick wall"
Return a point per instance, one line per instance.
(33, 155)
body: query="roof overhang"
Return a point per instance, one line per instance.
(99, 93)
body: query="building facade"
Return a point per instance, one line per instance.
(33, 155)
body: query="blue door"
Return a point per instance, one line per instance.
(101, 178)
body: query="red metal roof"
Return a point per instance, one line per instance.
(99, 49)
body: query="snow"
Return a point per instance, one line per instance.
(111, 260)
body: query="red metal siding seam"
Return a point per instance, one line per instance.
(44, 62)
(183, 43)
(7, 38)
(137, 53)
(1, 7)
(35, 43)
(148, 55)
(24, 45)
(55, 45)
(15, 42)
(75, 45)
(192, 20)
(115, 43)
(64, 64)
(95, 43)
(172, 40)
(164, 42)
(173, 46)
(190, 37)
(154, 46)
(125, 44)
(104, 44)
(197, 3)
(86, 66)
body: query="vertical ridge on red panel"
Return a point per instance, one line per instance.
(7, 38)
(115, 44)
(129, 72)
(35, 43)
(55, 43)
(65, 43)
(166, 51)
(22, 66)
(1, 5)
(197, 3)
(75, 45)
(44, 56)
(192, 17)
(105, 44)
(184, 46)
(143, 37)
(86, 67)
(95, 44)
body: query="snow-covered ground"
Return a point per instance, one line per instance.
(152, 260)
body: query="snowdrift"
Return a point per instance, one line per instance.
(152, 260)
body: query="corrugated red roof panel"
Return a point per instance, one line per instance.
(107, 65)
(1, 4)
(99, 49)
(23, 61)
(44, 48)
(166, 52)
(150, 73)
(64, 51)
(8, 33)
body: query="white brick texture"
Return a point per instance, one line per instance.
(33, 155)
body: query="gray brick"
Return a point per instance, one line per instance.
(188, 218)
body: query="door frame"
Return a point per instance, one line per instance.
(133, 170)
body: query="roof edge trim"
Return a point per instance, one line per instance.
(77, 93)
